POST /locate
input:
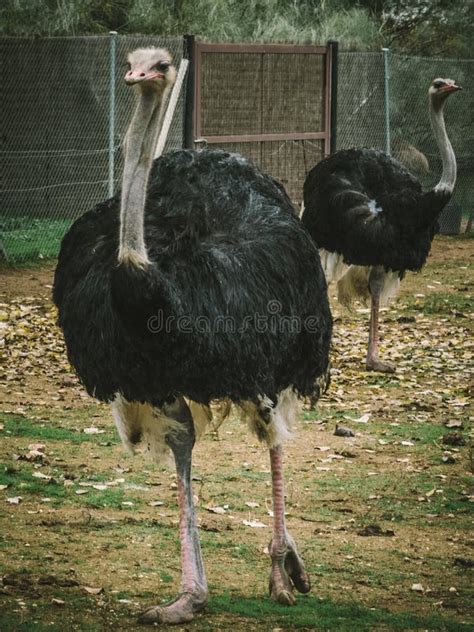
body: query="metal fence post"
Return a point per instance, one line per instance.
(189, 96)
(333, 49)
(112, 47)
(387, 99)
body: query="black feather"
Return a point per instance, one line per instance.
(225, 247)
(396, 233)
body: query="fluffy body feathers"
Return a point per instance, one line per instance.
(369, 208)
(226, 249)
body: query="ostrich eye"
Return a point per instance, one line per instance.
(162, 66)
(438, 84)
(128, 65)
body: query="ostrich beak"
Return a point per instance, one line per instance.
(451, 88)
(135, 76)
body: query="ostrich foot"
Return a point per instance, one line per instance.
(180, 610)
(287, 572)
(381, 367)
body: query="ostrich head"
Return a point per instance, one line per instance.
(150, 69)
(439, 91)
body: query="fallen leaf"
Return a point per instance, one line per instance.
(362, 420)
(14, 500)
(93, 591)
(216, 510)
(255, 524)
(454, 424)
(42, 476)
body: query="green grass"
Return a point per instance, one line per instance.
(110, 499)
(21, 481)
(29, 238)
(324, 614)
(16, 426)
(441, 303)
(422, 433)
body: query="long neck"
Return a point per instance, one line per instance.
(448, 177)
(140, 143)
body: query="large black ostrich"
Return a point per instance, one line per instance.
(363, 208)
(200, 284)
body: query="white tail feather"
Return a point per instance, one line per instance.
(333, 265)
(354, 285)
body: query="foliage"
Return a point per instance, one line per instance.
(27, 238)
(437, 27)
(415, 26)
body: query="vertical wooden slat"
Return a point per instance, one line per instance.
(197, 90)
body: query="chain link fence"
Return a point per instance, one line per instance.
(61, 153)
(62, 131)
(383, 103)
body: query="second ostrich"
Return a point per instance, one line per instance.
(199, 282)
(372, 221)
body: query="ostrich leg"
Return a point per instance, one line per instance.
(287, 567)
(193, 593)
(376, 283)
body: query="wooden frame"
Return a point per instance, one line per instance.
(199, 49)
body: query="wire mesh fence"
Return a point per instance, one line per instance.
(61, 153)
(61, 144)
(406, 130)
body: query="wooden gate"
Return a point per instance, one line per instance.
(271, 103)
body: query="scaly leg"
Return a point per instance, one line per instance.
(376, 282)
(193, 593)
(288, 570)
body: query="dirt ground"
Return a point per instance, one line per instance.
(383, 518)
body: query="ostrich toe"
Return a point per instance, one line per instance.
(288, 572)
(380, 367)
(180, 610)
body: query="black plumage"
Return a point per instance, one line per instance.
(369, 208)
(226, 249)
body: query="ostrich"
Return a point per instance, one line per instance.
(372, 221)
(197, 283)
